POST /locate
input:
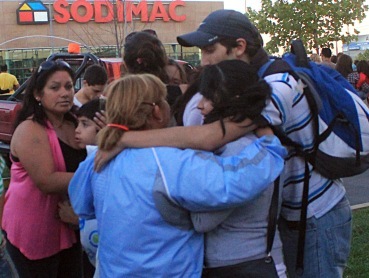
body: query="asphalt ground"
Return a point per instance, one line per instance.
(357, 189)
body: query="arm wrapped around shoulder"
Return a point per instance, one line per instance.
(202, 181)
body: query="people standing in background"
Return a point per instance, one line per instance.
(94, 82)
(363, 70)
(44, 156)
(326, 55)
(8, 82)
(344, 66)
(315, 58)
(362, 78)
(334, 59)
(145, 53)
(176, 73)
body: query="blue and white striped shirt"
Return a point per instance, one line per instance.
(289, 109)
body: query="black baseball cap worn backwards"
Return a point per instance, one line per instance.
(218, 24)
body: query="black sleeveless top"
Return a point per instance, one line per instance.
(72, 157)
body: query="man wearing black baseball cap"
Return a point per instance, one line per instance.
(227, 34)
(231, 29)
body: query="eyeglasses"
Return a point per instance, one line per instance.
(48, 65)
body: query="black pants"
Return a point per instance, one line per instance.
(251, 269)
(65, 264)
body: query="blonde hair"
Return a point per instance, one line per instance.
(315, 58)
(130, 102)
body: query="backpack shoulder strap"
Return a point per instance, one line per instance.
(275, 66)
(273, 218)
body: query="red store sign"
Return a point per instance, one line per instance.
(102, 11)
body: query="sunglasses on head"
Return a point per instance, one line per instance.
(48, 65)
(149, 31)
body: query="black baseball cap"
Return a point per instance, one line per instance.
(220, 24)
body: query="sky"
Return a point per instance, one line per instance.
(239, 5)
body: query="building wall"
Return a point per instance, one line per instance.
(16, 36)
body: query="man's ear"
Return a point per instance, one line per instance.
(240, 48)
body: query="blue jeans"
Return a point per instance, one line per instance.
(7, 268)
(327, 244)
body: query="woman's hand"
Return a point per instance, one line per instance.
(262, 131)
(66, 213)
(103, 157)
(100, 119)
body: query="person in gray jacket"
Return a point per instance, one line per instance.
(236, 239)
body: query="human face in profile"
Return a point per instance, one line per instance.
(205, 106)
(215, 53)
(93, 91)
(173, 74)
(86, 132)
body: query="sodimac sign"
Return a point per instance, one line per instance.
(100, 11)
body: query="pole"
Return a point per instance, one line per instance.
(51, 29)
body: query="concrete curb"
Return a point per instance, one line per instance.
(359, 206)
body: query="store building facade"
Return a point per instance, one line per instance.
(32, 30)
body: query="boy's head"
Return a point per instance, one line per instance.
(87, 129)
(326, 53)
(94, 81)
(224, 34)
(4, 68)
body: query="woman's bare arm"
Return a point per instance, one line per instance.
(206, 137)
(31, 145)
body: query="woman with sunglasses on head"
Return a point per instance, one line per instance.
(44, 155)
(145, 53)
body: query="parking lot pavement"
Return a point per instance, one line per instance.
(357, 188)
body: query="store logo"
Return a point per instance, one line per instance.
(32, 12)
(83, 11)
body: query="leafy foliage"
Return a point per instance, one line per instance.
(363, 56)
(318, 23)
(358, 265)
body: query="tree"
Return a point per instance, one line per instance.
(363, 56)
(117, 28)
(318, 23)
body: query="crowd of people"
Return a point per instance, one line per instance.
(356, 72)
(163, 173)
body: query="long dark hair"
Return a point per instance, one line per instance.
(236, 91)
(145, 53)
(363, 66)
(344, 65)
(180, 105)
(36, 84)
